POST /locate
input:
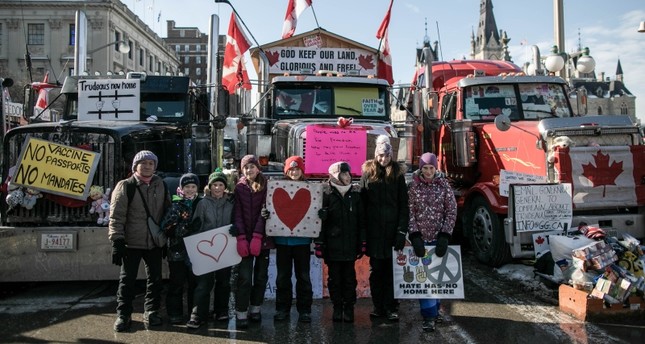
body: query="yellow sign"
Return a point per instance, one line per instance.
(55, 168)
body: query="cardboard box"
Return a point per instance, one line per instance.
(580, 305)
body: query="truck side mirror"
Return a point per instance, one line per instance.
(502, 122)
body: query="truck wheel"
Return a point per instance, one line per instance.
(486, 234)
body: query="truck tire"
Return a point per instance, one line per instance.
(485, 233)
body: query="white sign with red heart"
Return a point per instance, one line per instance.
(212, 250)
(293, 208)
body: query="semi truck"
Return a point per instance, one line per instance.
(486, 118)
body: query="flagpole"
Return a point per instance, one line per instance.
(314, 12)
(241, 20)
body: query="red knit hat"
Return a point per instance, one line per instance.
(294, 161)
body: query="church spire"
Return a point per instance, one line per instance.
(488, 43)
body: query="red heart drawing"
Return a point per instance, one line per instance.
(213, 249)
(291, 210)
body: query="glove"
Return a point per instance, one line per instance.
(256, 244)
(242, 246)
(417, 244)
(118, 251)
(318, 250)
(265, 213)
(195, 225)
(233, 230)
(442, 244)
(322, 213)
(399, 241)
(362, 250)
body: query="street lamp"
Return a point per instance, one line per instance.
(554, 62)
(642, 27)
(585, 63)
(124, 47)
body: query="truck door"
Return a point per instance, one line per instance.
(445, 150)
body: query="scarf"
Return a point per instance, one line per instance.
(142, 178)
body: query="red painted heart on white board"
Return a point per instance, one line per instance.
(213, 248)
(291, 210)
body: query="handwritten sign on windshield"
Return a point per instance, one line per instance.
(329, 144)
(541, 207)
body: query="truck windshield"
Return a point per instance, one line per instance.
(330, 101)
(518, 102)
(166, 107)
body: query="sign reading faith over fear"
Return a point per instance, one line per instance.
(429, 277)
(341, 60)
(55, 168)
(109, 99)
(212, 250)
(541, 207)
(328, 144)
(293, 207)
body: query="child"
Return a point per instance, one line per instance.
(433, 212)
(176, 225)
(293, 253)
(214, 211)
(342, 239)
(252, 243)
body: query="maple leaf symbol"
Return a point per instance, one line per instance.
(273, 57)
(603, 173)
(366, 62)
(539, 240)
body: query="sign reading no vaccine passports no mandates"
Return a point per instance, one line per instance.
(56, 168)
(428, 277)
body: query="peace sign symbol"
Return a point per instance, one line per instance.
(440, 274)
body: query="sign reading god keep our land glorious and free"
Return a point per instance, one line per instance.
(55, 168)
(429, 277)
(326, 145)
(341, 60)
(109, 99)
(541, 207)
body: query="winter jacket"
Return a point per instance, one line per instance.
(343, 231)
(248, 205)
(214, 212)
(129, 221)
(433, 208)
(175, 225)
(386, 211)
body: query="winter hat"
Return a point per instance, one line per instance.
(217, 176)
(189, 178)
(249, 159)
(144, 155)
(294, 161)
(428, 159)
(383, 146)
(337, 168)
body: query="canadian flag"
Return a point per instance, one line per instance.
(43, 99)
(384, 63)
(234, 73)
(294, 10)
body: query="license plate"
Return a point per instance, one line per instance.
(57, 241)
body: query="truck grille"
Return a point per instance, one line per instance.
(57, 210)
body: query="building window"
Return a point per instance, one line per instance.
(150, 62)
(198, 71)
(187, 47)
(623, 109)
(186, 71)
(186, 59)
(36, 34)
(177, 48)
(198, 47)
(72, 34)
(142, 57)
(198, 59)
(117, 38)
(131, 52)
(158, 67)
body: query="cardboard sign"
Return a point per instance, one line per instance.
(329, 144)
(342, 60)
(541, 207)
(429, 277)
(506, 178)
(315, 273)
(55, 168)
(109, 99)
(293, 206)
(212, 250)
(541, 241)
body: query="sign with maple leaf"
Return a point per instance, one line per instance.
(292, 60)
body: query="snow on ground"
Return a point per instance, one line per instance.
(524, 275)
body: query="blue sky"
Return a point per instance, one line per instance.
(608, 28)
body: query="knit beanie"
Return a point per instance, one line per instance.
(337, 168)
(217, 176)
(189, 178)
(383, 146)
(294, 161)
(428, 159)
(249, 159)
(144, 155)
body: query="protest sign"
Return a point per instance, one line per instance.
(429, 277)
(293, 207)
(212, 250)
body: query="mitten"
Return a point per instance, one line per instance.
(322, 213)
(399, 241)
(417, 244)
(265, 213)
(362, 250)
(256, 244)
(233, 230)
(318, 250)
(242, 246)
(442, 244)
(118, 251)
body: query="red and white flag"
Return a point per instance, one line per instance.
(43, 99)
(384, 63)
(234, 73)
(294, 10)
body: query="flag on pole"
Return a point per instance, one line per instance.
(294, 10)
(384, 63)
(234, 73)
(159, 17)
(43, 99)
